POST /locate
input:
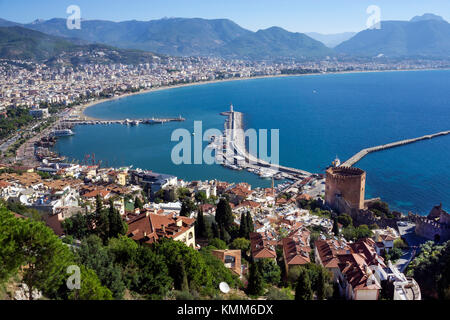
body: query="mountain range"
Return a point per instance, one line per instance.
(189, 37)
(19, 43)
(423, 36)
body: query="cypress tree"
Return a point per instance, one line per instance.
(98, 205)
(335, 227)
(116, 224)
(200, 225)
(102, 225)
(250, 225)
(224, 214)
(181, 281)
(255, 281)
(138, 203)
(303, 291)
(215, 230)
(243, 229)
(321, 285)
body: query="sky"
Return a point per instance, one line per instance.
(324, 16)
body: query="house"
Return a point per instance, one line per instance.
(357, 268)
(148, 228)
(249, 205)
(356, 280)
(262, 247)
(296, 249)
(240, 193)
(151, 181)
(385, 239)
(327, 252)
(118, 177)
(208, 209)
(231, 259)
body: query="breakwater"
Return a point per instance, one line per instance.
(234, 139)
(357, 157)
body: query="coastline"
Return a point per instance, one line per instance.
(80, 110)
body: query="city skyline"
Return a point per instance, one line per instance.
(295, 16)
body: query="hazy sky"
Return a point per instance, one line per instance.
(326, 16)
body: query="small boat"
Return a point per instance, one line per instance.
(62, 133)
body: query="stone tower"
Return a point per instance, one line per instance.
(345, 188)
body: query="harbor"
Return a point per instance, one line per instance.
(232, 153)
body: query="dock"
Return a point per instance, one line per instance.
(357, 157)
(134, 122)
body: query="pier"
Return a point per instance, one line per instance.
(234, 139)
(357, 157)
(73, 122)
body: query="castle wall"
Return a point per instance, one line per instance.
(430, 230)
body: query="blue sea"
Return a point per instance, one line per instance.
(319, 117)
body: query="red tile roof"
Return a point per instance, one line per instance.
(261, 247)
(149, 228)
(356, 272)
(329, 250)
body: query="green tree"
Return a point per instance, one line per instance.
(91, 287)
(32, 245)
(80, 225)
(219, 244)
(353, 234)
(181, 281)
(103, 225)
(250, 225)
(243, 228)
(345, 220)
(117, 227)
(187, 207)
(10, 257)
(98, 205)
(303, 291)
(224, 214)
(200, 225)
(255, 281)
(270, 271)
(241, 244)
(215, 230)
(138, 203)
(97, 257)
(198, 273)
(201, 197)
(123, 249)
(335, 227)
(321, 281)
(153, 279)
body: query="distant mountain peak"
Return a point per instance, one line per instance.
(38, 21)
(427, 17)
